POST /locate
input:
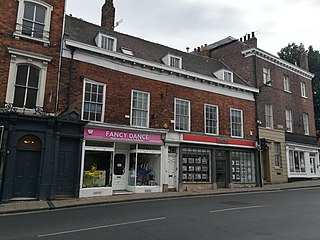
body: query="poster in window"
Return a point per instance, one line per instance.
(190, 160)
(204, 177)
(184, 168)
(204, 168)
(204, 160)
(233, 177)
(198, 160)
(198, 168)
(191, 168)
(184, 160)
(237, 169)
(190, 177)
(184, 176)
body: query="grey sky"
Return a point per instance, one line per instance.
(191, 23)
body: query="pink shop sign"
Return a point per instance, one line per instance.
(124, 136)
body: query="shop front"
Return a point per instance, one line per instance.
(212, 162)
(117, 161)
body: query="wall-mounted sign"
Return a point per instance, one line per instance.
(124, 136)
(218, 140)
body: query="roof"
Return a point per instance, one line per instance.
(85, 32)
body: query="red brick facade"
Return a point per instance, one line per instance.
(118, 99)
(8, 19)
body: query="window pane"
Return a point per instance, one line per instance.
(140, 109)
(38, 30)
(27, 27)
(19, 96)
(31, 98)
(28, 11)
(40, 14)
(33, 77)
(93, 102)
(22, 75)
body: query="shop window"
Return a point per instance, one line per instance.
(243, 167)
(149, 147)
(297, 161)
(196, 165)
(144, 169)
(97, 167)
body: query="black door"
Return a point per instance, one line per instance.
(221, 160)
(68, 167)
(26, 176)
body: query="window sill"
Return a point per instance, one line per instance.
(46, 43)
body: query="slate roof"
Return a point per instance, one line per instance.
(85, 32)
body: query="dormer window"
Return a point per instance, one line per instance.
(172, 61)
(225, 75)
(106, 42)
(33, 20)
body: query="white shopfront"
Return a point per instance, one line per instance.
(303, 161)
(120, 161)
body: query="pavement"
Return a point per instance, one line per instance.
(36, 205)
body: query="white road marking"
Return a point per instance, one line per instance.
(238, 208)
(99, 227)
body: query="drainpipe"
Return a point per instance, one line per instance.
(260, 165)
(60, 60)
(72, 49)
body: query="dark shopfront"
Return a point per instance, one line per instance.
(40, 156)
(210, 165)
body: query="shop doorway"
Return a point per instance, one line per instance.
(313, 164)
(221, 162)
(27, 167)
(119, 181)
(172, 167)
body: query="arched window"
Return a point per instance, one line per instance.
(29, 141)
(26, 86)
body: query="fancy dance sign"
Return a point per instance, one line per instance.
(124, 136)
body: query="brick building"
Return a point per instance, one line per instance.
(159, 119)
(284, 106)
(39, 149)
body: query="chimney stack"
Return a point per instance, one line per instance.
(303, 58)
(108, 15)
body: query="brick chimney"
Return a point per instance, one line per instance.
(303, 58)
(108, 15)
(252, 40)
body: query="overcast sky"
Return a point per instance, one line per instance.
(192, 23)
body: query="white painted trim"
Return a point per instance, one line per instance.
(135, 61)
(29, 54)
(175, 111)
(131, 114)
(277, 61)
(86, 57)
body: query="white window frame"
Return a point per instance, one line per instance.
(266, 76)
(175, 115)
(99, 41)
(46, 32)
(269, 116)
(147, 111)
(217, 119)
(289, 120)
(19, 57)
(277, 155)
(229, 74)
(286, 84)
(103, 99)
(305, 119)
(167, 60)
(232, 123)
(303, 90)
